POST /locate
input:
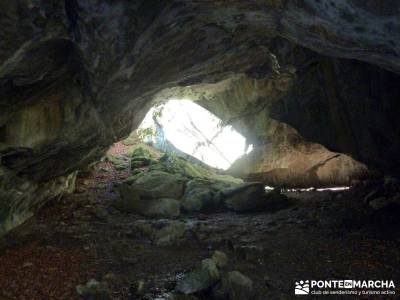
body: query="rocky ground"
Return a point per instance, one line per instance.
(99, 244)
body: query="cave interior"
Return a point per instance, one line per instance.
(197, 149)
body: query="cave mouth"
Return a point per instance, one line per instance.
(182, 126)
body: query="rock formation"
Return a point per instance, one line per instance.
(75, 76)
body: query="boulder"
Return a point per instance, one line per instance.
(119, 162)
(200, 279)
(158, 184)
(139, 162)
(161, 208)
(220, 259)
(203, 195)
(169, 234)
(136, 174)
(131, 201)
(234, 286)
(128, 200)
(162, 232)
(275, 200)
(246, 197)
(177, 165)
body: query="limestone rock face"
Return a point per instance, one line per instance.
(281, 154)
(75, 76)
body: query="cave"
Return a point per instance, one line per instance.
(283, 181)
(183, 127)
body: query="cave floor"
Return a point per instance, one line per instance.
(324, 235)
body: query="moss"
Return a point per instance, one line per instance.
(170, 163)
(141, 152)
(118, 162)
(135, 176)
(144, 150)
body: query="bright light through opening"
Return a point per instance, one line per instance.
(197, 132)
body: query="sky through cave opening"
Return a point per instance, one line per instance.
(181, 125)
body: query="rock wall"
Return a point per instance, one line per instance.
(281, 155)
(345, 105)
(77, 75)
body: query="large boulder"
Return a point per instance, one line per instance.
(204, 195)
(247, 197)
(128, 199)
(131, 201)
(158, 184)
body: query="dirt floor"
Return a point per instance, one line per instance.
(324, 235)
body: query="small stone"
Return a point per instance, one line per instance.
(28, 265)
(101, 213)
(94, 289)
(234, 286)
(200, 279)
(140, 288)
(241, 287)
(220, 258)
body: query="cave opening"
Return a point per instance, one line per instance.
(181, 125)
(203, 150)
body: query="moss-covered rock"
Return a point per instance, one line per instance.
(202, 195)
(157, 184)
(142, 149)
(131, 202)
(200, 279)
(176, 165)
(119, 162)
(162, 232)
